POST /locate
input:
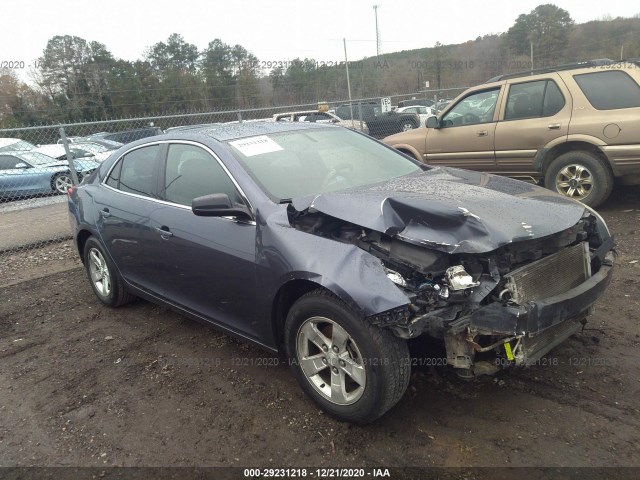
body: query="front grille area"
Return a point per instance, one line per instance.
(551, 275)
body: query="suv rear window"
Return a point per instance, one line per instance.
(609, 90)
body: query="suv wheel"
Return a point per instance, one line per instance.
(351, 369)
(407, 125)
(580, 175)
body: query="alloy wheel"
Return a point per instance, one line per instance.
(99, 271)
(62, 183)
(574, 181)
(331, 361)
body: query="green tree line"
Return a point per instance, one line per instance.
(79, 80)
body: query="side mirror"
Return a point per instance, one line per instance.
(432, 122)
(218, 205)
(335, 120)
(21, 165)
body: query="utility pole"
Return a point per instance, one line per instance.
(378, 49)
(531, 44)
(375, 9)
(346, 64)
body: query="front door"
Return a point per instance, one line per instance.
(207, 263)
(466, 135)
(15, 179)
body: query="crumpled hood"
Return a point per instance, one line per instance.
(451, 210)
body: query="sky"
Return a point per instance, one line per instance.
(273, 30)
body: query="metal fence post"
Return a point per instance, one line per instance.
(239, 116)
(72, 167)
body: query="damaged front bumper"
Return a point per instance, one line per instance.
(526, 332)
(502, 334)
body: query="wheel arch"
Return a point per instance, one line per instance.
(285, 297)
(413, 121)
(81, 240)
(409, 150)
(573, 145)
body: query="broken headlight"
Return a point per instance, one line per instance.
(396, 278)
(458, 278)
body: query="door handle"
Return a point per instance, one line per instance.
(483, 133)
(553, 126)
(164, 232)
(105, 213)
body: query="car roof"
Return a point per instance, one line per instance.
(8, 141)
(231, 131)
(300, 112)
(54, 148)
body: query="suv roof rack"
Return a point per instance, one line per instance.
(567, 66)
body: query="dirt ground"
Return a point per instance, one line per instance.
(85, 385)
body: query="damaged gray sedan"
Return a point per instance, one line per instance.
(329, 246)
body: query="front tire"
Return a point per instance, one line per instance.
(353, 370)
(580, 175)
(104, 278)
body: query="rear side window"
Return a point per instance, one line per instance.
(533, 99)
(553, 100)
(114, 176)
(609, 90)
(136, 171)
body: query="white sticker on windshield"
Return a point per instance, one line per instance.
(255, 145)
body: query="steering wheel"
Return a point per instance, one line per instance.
(470, 118)
(334, 174)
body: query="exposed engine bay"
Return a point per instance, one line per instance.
(494, 309)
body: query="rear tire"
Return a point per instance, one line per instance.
(103, 276)
(352, 369)
(580, 175)
(407, 125)
(61, 182)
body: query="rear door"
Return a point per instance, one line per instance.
(125, 204)
(535, 115)
(466, 136)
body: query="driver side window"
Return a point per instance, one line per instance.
(8, 162)
(192, 172)
(473, 109)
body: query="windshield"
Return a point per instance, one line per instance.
(18, 146)
(309, 162)
(35, 158)
(79, 152)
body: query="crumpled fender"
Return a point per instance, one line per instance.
(357, 277)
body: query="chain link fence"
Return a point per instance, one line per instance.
(39, 164)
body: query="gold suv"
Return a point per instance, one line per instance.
(574, 127)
